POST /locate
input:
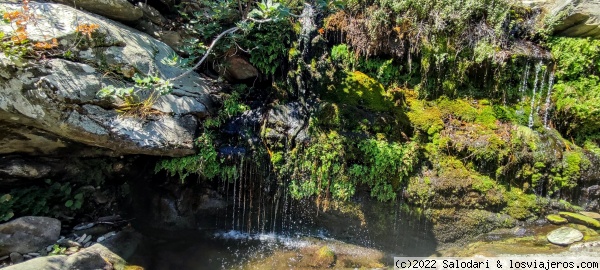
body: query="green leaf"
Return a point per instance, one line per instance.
(5, 198)
(9, 215)
(77, 204)
(69, 203)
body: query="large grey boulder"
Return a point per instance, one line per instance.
(57, 99)
(28, 234)
(579, 18)
(120, 10)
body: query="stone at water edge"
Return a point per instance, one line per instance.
(593, 215)
(564, 236)
(556, 219)
(581, 219)
(28, 234)
(16, 257)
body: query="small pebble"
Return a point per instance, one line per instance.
(80, 239)
(87, 239)
(3, 258)
(83, 226)
(49, 248)
(106, 236)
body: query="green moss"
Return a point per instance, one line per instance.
(483, 184)
(358, 89)
(324, 257)
(486, 117)
(425, 118)
(572, 165)
(277, 159)
(522, 206)
(556, 219)
(581, 219)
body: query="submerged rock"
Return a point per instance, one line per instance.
(556, 219)
(581, 219)
(28, 234)
(564, 236)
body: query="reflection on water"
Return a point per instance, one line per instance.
(236, 250)
(365, 233)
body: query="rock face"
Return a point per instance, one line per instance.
(173, 207)
(46, 105)
(120, 10)
(590, 198)
(582, 18)
(564, 236)
(28, 234)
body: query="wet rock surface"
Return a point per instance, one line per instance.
(590, 198)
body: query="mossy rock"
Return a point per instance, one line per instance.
(593, 215)
(324, 257)
(358, 89)
(556, 219)
(581, 219)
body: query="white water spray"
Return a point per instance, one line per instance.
(524, 87)
(538, 67)
(548, 95)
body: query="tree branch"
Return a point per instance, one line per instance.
(212, 45)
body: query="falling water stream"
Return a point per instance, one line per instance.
(548, 97)
(523, 88)
(538, 67)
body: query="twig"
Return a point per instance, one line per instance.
(212, 45)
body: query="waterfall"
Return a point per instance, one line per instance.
(542, 85)
(523, 88)
(538, 67)
(548, 95)
(233, 215)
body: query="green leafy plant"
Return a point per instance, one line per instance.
(50, 198)
(206, 163)
(57, 250)
(385, 166)
(151, 87)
